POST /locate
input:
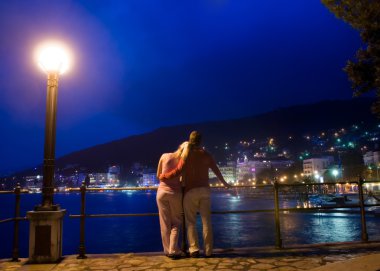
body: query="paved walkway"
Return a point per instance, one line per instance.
(357, 257)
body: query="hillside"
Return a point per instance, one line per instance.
(295, 121)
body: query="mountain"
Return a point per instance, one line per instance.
(280, 124)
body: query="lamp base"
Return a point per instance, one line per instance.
(45, 236)
(54, 207)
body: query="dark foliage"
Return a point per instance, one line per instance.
(364, 71)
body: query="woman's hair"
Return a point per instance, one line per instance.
(181, 149)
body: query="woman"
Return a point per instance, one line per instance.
(169, 202)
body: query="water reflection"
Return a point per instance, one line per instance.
(320, 228)
(243, 230)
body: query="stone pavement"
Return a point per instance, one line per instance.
(345, 257)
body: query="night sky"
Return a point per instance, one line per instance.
(139, 65)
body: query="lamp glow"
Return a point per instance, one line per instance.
(53, 58)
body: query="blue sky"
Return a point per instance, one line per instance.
(140, 65)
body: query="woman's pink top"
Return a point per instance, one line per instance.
(168, 163)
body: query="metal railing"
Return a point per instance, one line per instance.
(276, 210)
(16, 219)
(276, 187)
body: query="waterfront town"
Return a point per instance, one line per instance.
(290, 114)
(337, 155)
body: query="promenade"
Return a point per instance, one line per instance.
(343, 257)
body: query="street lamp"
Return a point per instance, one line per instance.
(335, 173)
(54, 60)
(316, 176)
(45, 233)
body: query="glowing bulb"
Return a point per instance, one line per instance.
(53, 57)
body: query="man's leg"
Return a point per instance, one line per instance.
(205, 212)
(190, 205)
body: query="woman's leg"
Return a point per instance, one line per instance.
(164, 215)
(176, 221)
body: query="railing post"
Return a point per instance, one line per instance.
(362, 210)
(15, 251)
(183, 244)
(82, 248)
(277, 216)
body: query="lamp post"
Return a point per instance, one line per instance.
(45, 232)
(53, 60)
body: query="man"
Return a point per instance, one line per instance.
(194, 168)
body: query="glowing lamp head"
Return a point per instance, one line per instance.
(53, 58)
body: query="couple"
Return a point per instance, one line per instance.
(187, 167)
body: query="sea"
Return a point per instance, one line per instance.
(142, 233)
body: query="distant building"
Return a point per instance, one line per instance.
(33, 182)
(114, 170)
(318, 166)
(245, 169)
(249, 169)
(98, 179)
(149, 179)
(113, 175)
(74, 180)
(371, 158)
(228, 172)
